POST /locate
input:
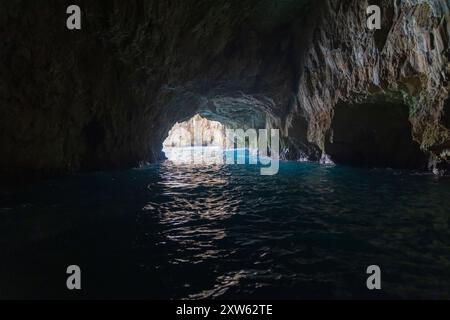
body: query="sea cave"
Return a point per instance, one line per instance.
(115, 124)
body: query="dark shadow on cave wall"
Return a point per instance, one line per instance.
(374, 134)
(445, 118)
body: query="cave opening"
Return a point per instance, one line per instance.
(196, 139)
(374, 134)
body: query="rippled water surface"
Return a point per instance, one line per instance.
(224, 231)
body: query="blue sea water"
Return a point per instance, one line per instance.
(170, 231)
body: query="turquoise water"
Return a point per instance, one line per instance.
(226, 232)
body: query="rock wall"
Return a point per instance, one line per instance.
(106, 96)
(407, 62)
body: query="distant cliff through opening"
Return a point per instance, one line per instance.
(196, 137)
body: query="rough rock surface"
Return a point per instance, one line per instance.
(106, 96)
(405, 63)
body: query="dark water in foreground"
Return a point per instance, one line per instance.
(226, 232)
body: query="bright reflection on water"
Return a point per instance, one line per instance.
(210, 156)
(225, 231)
(195, 155)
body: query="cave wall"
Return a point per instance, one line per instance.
(408, 59)
(106, 96)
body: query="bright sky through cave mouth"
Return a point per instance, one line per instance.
(197, 139)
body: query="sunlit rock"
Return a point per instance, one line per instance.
(196, 132)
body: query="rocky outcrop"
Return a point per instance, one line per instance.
(107, 96)
(197, 131)
(404, 64)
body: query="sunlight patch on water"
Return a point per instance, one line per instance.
(195, 155)
(211, 156)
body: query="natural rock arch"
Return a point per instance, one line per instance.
(137, 67)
